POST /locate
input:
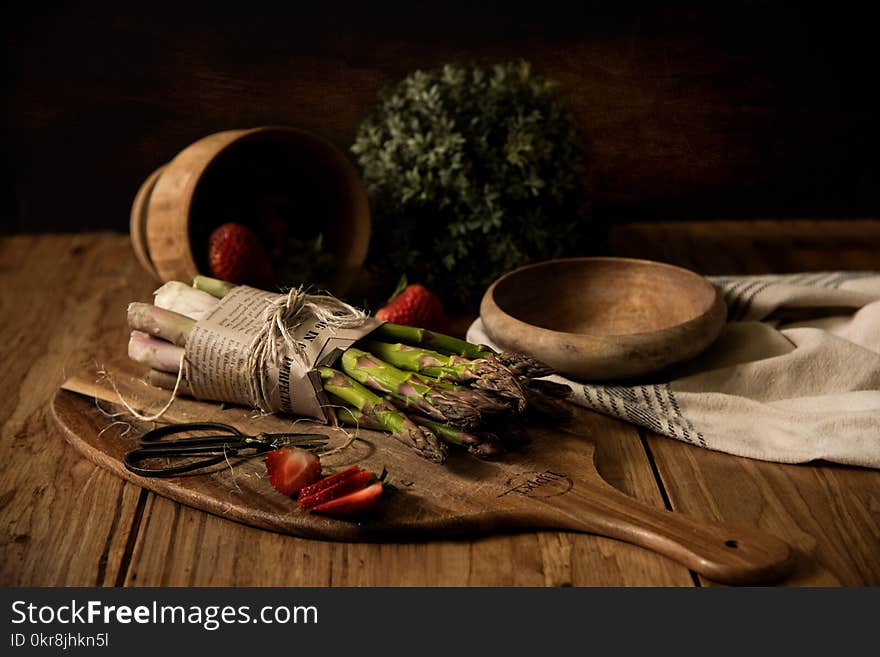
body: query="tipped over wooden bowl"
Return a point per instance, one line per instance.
(268, 173)
(603, 318)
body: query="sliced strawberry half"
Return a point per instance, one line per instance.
(328, 481)
(353, 504)
(342, 487)
(291, 469)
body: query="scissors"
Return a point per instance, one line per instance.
(227, 442)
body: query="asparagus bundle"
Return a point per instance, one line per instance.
(381, 415)
(428, 390)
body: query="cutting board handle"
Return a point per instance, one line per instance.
(724, 553)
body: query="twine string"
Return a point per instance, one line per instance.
(158, 414)
(283, 316)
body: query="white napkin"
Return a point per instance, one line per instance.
(794, 376)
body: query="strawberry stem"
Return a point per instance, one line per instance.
(401, 286)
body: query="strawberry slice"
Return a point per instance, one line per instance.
(356, 503)
(328, 481)
(291, 469)
(342, 487)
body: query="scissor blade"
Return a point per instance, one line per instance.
(217, 442)
(301, 440)
(189, 450)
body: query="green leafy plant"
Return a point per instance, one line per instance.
(305, 260)
(471, 172)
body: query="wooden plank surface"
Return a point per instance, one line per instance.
(75, 311)
(179, 545)
(63, 521)
(697, 110)
(463, 498)
(754, 246)
(830, 514)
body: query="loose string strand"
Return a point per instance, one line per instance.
(158, 414)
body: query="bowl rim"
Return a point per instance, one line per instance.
(489, 300)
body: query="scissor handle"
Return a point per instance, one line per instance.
(152, 446)
(219, 447)
(136, 456)
(158, 433)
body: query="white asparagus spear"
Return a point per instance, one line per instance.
(155, 353)
(168, 382)
(161, 330)
(185, 300)
(160, 323)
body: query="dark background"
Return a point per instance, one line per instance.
(696, 110)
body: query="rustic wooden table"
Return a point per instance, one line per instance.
(65, 522)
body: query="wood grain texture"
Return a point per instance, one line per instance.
(758, 246)
(830, 514)
(180, 546)
(691, 111)
(552, 483)
(76, 285)
(64, 521)
(209, 181)
(61, 521)
(606, 318)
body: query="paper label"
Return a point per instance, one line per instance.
(218, 346)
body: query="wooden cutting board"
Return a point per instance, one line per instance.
(550, 483)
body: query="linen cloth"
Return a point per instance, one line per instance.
(794, 376)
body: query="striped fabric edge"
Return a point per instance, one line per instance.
(740, 293)
(653, 407)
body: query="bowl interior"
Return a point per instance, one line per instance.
(287, 176)
(603, 296)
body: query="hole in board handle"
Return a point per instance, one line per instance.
(731, 543)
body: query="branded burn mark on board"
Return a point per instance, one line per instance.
(538, 484)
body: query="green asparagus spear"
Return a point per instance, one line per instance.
(456, 405)
(379, 375)
(482, 445)
(390, 418)
(484, 373)
(416, 359)
(351, 417)
(522, 366)
(519, 364)
(424, 338)
(213, 286)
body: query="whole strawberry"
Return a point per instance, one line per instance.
(416, 305)
(236, 255)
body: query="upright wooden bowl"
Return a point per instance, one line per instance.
(603, 318)
(231, 176)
